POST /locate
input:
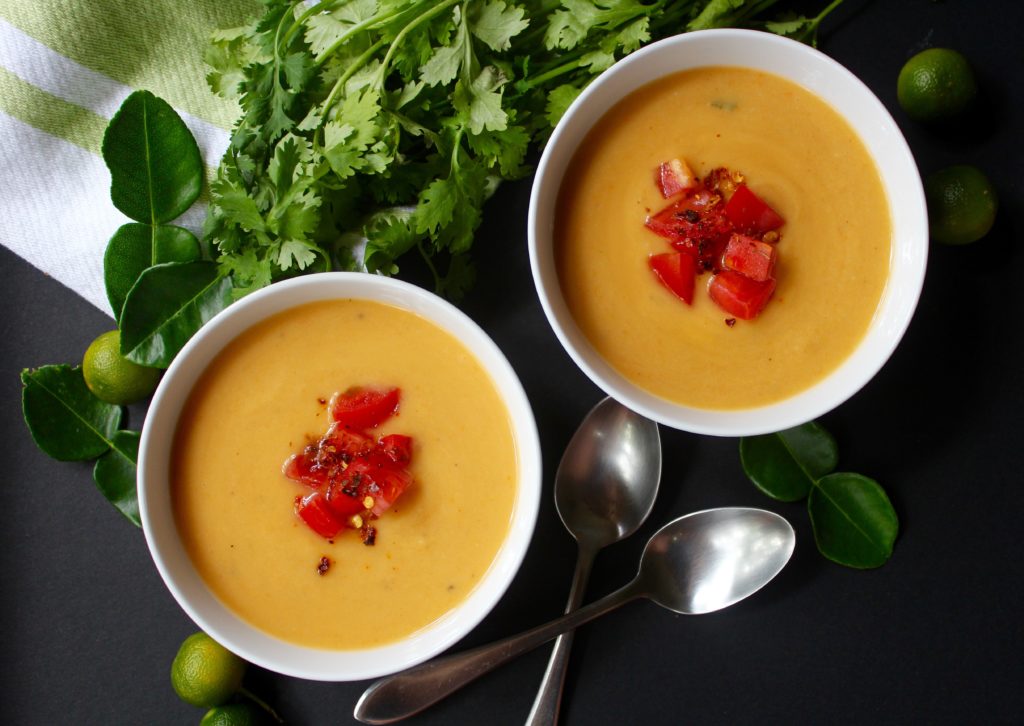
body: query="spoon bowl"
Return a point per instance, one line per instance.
(608, 478)
(726, 554)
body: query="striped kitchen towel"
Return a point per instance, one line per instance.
(65, 68)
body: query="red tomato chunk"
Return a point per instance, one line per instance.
(750, 257)
(677, 271)
(354, 478)
(749, 213)
(739, 295)
(314, 511)
(397, 447)
(364, 408)
(675, 177)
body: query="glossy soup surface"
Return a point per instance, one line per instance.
(258, 403)
(796, 153)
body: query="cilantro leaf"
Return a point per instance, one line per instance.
(496, 23)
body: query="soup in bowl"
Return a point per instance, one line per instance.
(671, 158)
(339, 476)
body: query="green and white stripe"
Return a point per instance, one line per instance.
(65, 68)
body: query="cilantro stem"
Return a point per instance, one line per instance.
(828, 9)
(430, 264)
(319, 7)
(359, 27)
(424, 17)
(260, 702)
(343, 79)
(555, 72)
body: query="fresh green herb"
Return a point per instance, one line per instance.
(159, 287)
(374, 128)
(854, 522)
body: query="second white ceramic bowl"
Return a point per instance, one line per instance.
(823, 77)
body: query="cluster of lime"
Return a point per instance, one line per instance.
(938, 85)
(206, 674)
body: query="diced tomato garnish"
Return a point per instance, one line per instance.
(349, 471)
(749, 213)
(314, 511)
(344, 444)
(750, 257)
(303, 467)
(738, 295)
(683, 218)
(381, 479)
(674, 177)
(344, 498)
(676, 271)
(397, 447)
(364, 408)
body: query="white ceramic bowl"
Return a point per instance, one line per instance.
(161, 532)
(853, 100)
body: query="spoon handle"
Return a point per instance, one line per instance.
(405, 694)
(549, 697)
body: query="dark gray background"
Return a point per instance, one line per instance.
(88, 630)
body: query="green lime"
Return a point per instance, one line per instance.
(936, 83)
(961, 205)
(235, 714)
(112, 377)
(204, 672)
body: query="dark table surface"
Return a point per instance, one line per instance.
(88, 629)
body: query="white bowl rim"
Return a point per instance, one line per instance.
(176, 568)
(827, 79)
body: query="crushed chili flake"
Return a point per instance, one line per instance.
(322, 401)
(730, 321)
(324, 566)
(369, 533)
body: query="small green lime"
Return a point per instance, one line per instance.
(235, 714)
(112, 377)
(961, 205)
(205, 673)
(935, 84)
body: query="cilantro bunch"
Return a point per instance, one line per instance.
(373, 128)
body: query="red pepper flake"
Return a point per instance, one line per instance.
(369, 533)
(324, 566)
(730, 321)
(322, 401)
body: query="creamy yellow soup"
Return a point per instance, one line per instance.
(260, 401)
(798, 155)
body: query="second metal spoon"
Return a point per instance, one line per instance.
(605, 488)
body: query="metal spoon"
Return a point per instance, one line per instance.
(605, 488)
(696, 564)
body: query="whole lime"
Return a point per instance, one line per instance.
(234, 714)
(205, 673)
(935, 84)
(961, 204)
(112, 377)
